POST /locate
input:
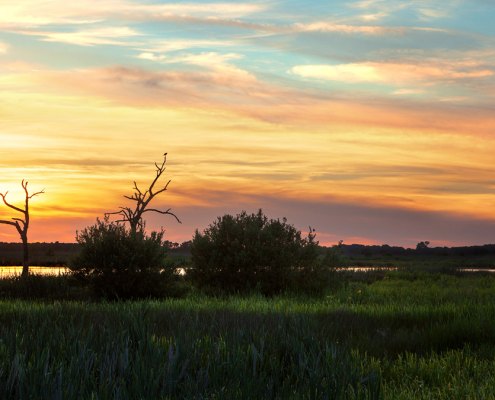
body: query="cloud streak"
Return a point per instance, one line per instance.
(90, 37)
(423, 9)
(393, 73)
(273, 28)
(33, 13)
(222, 86)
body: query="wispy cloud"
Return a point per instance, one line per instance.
(174, 44)
(367, 30)
(32, 17)
(225, 88)
(229, 10)
(409, 91)
(224, 71)
(150, 56)
(207, 59)
(270, 27)
(91, 37)
(394, 73)
(33, 13)
(432, 13)
(424, 9)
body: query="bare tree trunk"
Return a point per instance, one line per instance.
(25, 250)
(21, 225)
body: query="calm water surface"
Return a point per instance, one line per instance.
(17, 270)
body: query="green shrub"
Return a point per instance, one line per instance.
(115, 262)
(250, 252)
(323, 276)
(334, 257)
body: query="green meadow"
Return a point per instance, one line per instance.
(383, 334)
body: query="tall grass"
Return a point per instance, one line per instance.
(164, 350)
(36, 286)
(406, 335)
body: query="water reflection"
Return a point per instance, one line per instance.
(17, 270)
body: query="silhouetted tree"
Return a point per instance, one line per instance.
(134, 217)
(422, 245)
(22, 229)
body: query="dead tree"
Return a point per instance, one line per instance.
(134, 216)
(21, 225)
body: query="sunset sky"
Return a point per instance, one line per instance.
(371, 121)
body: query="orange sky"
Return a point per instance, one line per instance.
(383, 137)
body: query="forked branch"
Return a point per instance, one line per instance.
(21, 225)
(134, 216)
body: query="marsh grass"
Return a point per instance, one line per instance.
(169, 350)
(405, 335)
(37, 287)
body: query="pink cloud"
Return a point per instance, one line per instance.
(225, 87)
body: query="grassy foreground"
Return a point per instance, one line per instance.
(405, 336)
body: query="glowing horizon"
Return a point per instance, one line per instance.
(371, 121)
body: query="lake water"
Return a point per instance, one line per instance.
(17, 270)
(9, 271)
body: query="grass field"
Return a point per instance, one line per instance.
(406, 335)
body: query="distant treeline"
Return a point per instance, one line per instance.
(55, 253)
(40, 254)
(49, 249)
(422, 250)
(38, 248)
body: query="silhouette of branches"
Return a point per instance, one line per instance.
(134, 216)
(24, 222)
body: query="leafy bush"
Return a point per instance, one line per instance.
(115, 262)
(250, 252)
(323, 276)
(334, 256)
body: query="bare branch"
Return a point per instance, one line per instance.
(134, 217)
(20, 220)
(135, 187)
(164, 212)
(37, 193)
(25, 223)
(132, 198)
(116, 212)
(165, 188)
(159, 172)
(10, 205)
(7, 222)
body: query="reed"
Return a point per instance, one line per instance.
(150, 350)
(427, 337)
